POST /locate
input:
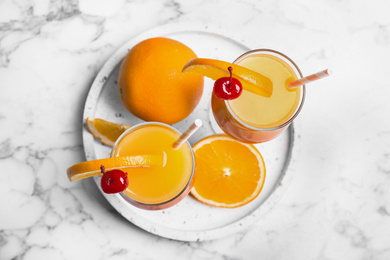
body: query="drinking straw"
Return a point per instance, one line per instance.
(190, 131)
(310, 78)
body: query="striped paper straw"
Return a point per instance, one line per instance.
(190, 131)
(310, 78)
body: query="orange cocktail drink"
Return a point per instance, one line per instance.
(156, 187)
(254, 118)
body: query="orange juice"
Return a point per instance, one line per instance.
(253, 118)
(156, 187)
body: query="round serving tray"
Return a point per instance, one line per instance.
(189, 220)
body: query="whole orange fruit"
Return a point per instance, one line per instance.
(152, 85)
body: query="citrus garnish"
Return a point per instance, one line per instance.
(107, 132)
(215, 69)
(92, 168)
(229, 173)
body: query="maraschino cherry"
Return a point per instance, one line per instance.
(227, 88)
(113, 181)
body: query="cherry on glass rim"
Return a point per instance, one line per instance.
(113, 181)
(227, 88)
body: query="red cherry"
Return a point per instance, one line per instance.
(227, 88)
(113, 181)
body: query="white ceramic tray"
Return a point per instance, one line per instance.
(189, 220)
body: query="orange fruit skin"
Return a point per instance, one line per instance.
(92, 168)
(152, 85)
(251, 81)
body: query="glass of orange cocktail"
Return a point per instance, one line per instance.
(155, 188)
(254, 118)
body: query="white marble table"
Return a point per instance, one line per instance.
(337, 205)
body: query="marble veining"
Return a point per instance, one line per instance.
(337, 205)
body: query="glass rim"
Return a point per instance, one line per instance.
(189, 180)
(301, 100)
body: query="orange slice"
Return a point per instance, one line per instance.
(107, 132)
(215, 69)
(92, 168)
(229, 173)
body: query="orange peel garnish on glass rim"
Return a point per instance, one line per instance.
(215, 69)
(87, 169)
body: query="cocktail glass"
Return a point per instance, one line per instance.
(255, 119)
(154, 188)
